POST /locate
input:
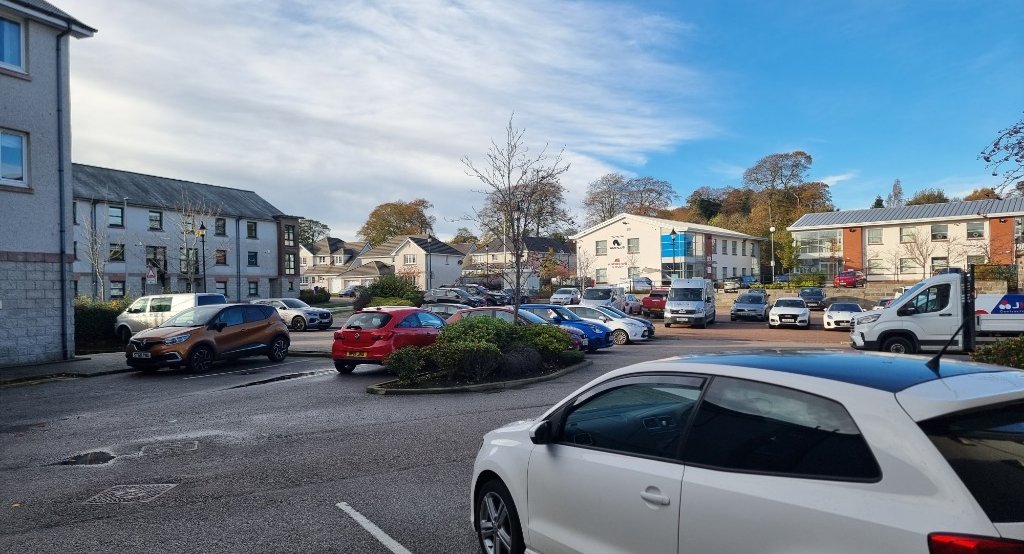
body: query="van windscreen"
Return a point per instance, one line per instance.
(597, 294)
(686, 295)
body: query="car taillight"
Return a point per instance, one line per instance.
(948, 543)
(338, 335)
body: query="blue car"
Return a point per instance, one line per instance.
(598, 336)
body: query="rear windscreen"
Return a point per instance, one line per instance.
(986, 449)
(368, 320)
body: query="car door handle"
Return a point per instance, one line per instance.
(655, 498)
(945, 315)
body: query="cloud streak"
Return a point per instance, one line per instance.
(329, 108)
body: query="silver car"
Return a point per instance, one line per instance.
(750, 306)
(298, 315)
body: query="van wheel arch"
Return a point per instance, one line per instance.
(898, 343)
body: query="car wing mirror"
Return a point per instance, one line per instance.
(541, 433)
(218, 326)
(909, 309)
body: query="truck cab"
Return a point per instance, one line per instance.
(690, 301)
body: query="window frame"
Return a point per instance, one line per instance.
(159, 220)
(116, 252)
(874, 235)
(290, 263)
(220, 227)
(600, 247)
(254, 288)
(936, 235)
(289, 235)
(978, 234)
(601, 276)
(110, 210)
(121, 284)
(220, 257)
(253, 259)
(251, 230)
(23, 182)
(408, 259)
(221, 287)
(907, 234)
(633, 246)
(21, 66)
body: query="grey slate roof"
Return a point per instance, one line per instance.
(370, 269)
(113, 185)
(533, 244)
(51, 10)
(325, 246)
(948, 210)
(437, 246)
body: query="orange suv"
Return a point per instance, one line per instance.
(198, 336)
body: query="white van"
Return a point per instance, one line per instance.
(150, 311)
(604, 295)
(690, 301)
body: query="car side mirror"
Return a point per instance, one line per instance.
(218, 326)
(282, 308)
(540, 433)
(909, 309)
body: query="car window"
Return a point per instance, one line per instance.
(646, 418)
(368, 320)
(138, 306)
(254, 313)
(597, 294)
(750, 299)
(790, 303)
(932, 299)
(480, 313)
(232, 316)
(160, 304)
(587, 312)
(411, 320)
(193, 317)
(844, 308)
(986, 450)
(504, 316)
(428, 319)
(750, 426)
(208, 299)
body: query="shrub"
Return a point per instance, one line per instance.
(570, 357)
(1006, 352)
(548, 340)
(318, 296)
(473, 361)
(94, 320)
(391, 286)
(479, 329)
(406, 363)
(520, 359)
(388, 302)
(361, 300)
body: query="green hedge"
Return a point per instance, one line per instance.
(320, 296)
(480, 329)
(94, 320)
(390, 301)
(1006, 352)
(406, 363)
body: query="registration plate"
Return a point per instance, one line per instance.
(684, 319)
(356, 354)
(142, 355)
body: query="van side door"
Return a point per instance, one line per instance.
(932, 316)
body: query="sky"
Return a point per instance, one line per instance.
(327, 108)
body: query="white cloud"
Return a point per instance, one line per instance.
(727, 170)
(329, 108)
(833, 180)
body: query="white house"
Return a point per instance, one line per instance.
(493, 263)
(630, 246)
(424, 260)
(322, 263)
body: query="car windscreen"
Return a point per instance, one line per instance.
(843, 307)
(209, 299)
(614, 312)
(193, 317)
(565, 291)
(597, 294)
(986, 450)
(690, 295)
(750, 299)
(294, 303)
(790, 304)
(368, 320)
(811, 292)
(566, 314)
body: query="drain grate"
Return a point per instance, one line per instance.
(87, 459)
(170, 447)
(127, 494)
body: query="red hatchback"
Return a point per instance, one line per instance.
(371, 335)
(849, 278)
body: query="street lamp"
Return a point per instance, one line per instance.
(675, 263)
(124, 246)
(772, 231)
(430, 239)
(201, 233)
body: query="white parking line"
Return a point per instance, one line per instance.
(382, 537)
(240, 370)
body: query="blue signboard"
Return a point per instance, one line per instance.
(680, 245)
(1010, 304)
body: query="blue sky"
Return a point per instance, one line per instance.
(329, 107)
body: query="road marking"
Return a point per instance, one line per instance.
(382, 537)
(239, 370)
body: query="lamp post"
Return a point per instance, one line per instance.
(201, 233)
(430, 239)
(675, 263)
(124, 246)
(772, 231)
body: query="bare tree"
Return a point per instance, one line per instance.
(647, 196)
(605, 198)
(920, 249)
(1006, 154)
(777, 173)
(515, 182)
(584, 265)
(895, 198)
(893, 257)
(193, 214)
(97, 251)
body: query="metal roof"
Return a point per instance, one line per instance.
(113, 186)
(949, 210)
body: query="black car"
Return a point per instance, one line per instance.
(814, 297)
(452, 296)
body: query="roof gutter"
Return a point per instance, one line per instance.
(65, 329)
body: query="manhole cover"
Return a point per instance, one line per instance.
(87, 459)
(126, 494)
(170, 447)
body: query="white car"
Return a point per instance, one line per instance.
(789, 311)
(565, 296)
(298, 315)
(839, 314)
(632, 304)
(624, 329)
(774, 453)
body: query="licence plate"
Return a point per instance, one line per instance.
(356, 354)
(684, 319)
(142, 355)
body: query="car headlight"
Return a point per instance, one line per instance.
(868, 319)
(828, 316)
(177, 339)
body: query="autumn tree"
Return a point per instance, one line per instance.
(928, 196)
(311, 230)
(777, 174)
(878, 203)
(516, 183)
(605, 198)
(984, 193)
(397, 218)
(1006, 154)
(706, 202)
(895, 197)
(464, 236)
(549, 216)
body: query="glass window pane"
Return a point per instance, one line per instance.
(10, 43)
(12, 157)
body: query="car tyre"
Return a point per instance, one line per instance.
(299, 323)
(667, 325)
(344, 367)
(732, 318)
(620, 337)
(497, 520)
(278, 349)
(125, 334)
(200, 359)
(898, 345)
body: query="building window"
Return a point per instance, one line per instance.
(220, 227)
(601, 248)
(189, 260)
(12, 45)
(633, 273)
(733, 250)
(156, 257)
(289, 264)
(714, 246)
(743, 250)
(116, 252)
(977, 260)
(341, 259)
(13, 158)
(976, 230)
(220, 257)
(632, 246)
(875, 236)
(908, 265)
(876, 267)
(409, 259)
(289, 235)
(940, 232)
(254, 259)
(743, 271)
(74, 247)
(115, 216)
(221, 287)
(117, 289)
(321, 259)
(250, 230)
(734, 269)
(156, 220)
(939, 264)
(74, 212)
(254, 288)
(303, 261)
(601, 276)
(908, 234)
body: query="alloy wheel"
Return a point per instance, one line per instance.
(494, 525)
